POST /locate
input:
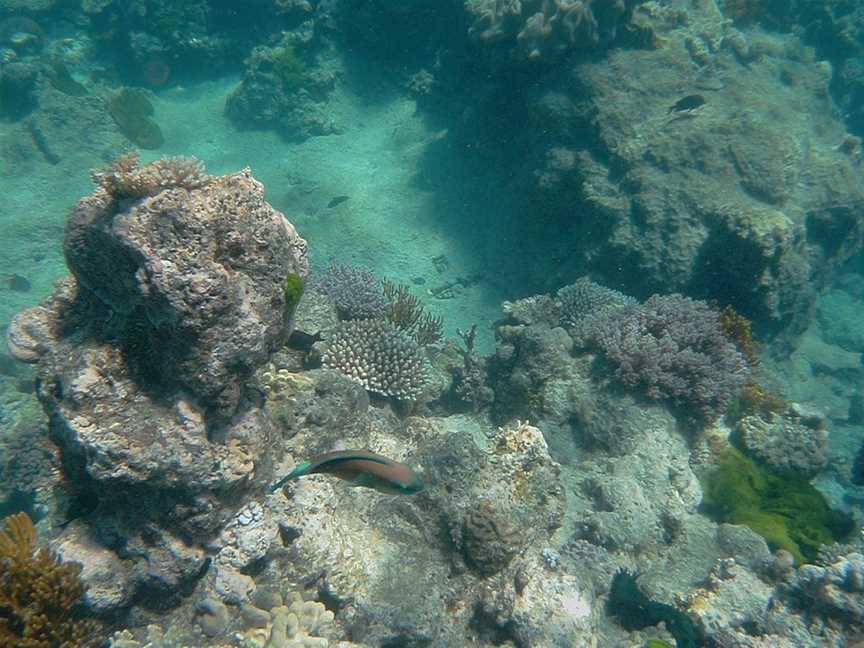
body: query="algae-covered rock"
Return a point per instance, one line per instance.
(785, 509)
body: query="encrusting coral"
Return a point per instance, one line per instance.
(39, 595)
(297, 623)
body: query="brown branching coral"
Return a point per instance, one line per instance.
(739, 330)
(408, 314)
(39, 595)
(757, 400)
(126, 178)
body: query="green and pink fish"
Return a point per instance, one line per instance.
(360, 468)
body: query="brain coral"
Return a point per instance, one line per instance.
(490, 539)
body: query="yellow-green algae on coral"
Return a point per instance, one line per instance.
(292, 290)
(785, 509)
(657, 643)
(288, 66)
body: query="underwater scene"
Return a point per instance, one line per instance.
(432, 323)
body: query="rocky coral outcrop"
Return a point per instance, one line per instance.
(491, 503)
(142, 360)
(280, 90)
(710, 110)
(548, 29)
(196, 271)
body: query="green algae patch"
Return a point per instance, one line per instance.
(289, 67)
(132, 111)
(785, 509)
(292, 291)
(657, 643)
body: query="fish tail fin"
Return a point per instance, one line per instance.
(299, 470)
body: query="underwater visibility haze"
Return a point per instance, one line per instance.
(432, 323)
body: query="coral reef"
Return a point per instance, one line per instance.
(125, 177)
(549, 28)
(356, 292)
(584, 303)
(490, 539)
(785, 442)
(757, 400)
(380, 563)
(159, 280)
(142, 361)
(673, 348)
(294, 624)
(836, 589)
(533, 310)
(598, 143)
(378, 355)
(739, 330)
(635, 611)
(408, 314)
(132, 111)
(280, 90)
(18, 89)
(39, 595)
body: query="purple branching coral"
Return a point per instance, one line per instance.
(673, 348)
(357, 292)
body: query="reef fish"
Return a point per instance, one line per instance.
(361, 468)
(337, 200)
(690, 102)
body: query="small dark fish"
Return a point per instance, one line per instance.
(690, 102)
(18, 283)
(302, 341)
(361, 468)
(419, 281)
(336, 200)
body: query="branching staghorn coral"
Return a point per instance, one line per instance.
(583, 302)
(39, 595)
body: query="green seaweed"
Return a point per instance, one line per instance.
(785, 509)
(132, 111)
(657, 643)
(289, 67)
(292, 291)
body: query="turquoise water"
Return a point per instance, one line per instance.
(590, 273)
